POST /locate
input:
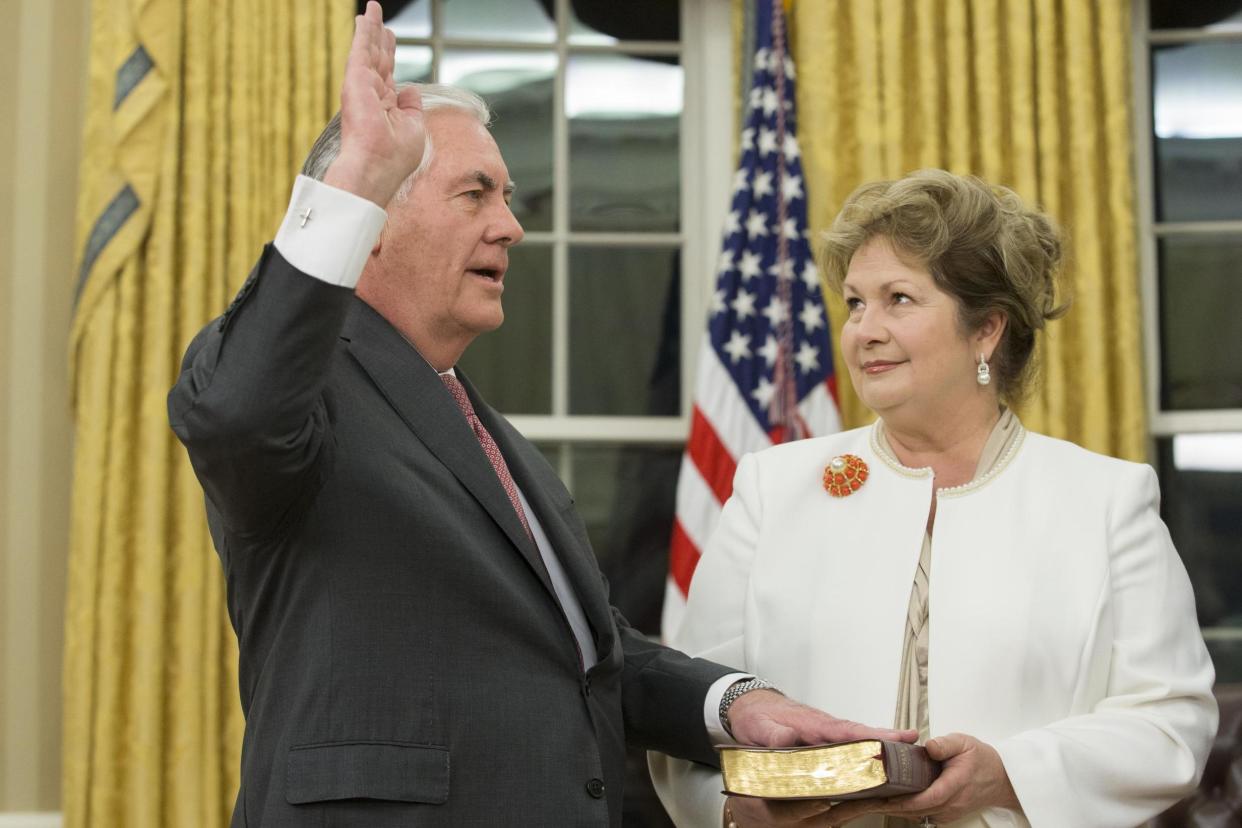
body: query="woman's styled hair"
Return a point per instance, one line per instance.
(980, 243)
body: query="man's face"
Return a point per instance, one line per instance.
(444, 250)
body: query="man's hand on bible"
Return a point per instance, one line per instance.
(769, 719)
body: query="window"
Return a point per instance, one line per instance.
(1188, 114)
(602, 112)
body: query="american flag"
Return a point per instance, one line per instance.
(765, 368)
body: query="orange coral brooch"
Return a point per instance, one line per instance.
(845, 475)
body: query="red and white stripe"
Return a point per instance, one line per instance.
(722, 429)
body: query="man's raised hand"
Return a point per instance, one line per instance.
(382, 130)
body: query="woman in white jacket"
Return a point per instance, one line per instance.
(1014, 596)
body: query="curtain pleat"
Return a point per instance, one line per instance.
(199, 114)
(1032, 94)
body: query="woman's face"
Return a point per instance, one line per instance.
(902, 342)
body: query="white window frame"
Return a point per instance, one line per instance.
(706, 147)
(1164, 423)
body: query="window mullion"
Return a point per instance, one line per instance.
(1144, 162)
(706, 147)
(1177, 37)
(565, 465)
(1169, 423)
(437, 38)
(560, 221)
(560, 251)
(1192, 228)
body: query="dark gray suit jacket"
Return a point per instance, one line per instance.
(404, 660)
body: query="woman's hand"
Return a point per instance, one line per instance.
(973, 778)
(748, 812)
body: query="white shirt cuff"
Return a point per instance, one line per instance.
(711, 708)
(328, 232)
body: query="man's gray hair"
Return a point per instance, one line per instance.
(435, 96)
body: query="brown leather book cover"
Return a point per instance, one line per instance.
(844, 770)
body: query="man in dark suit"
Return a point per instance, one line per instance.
(425, 637)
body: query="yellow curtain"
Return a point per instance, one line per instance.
(199, 114)
(1033, 94)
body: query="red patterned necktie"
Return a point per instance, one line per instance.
(489, 446)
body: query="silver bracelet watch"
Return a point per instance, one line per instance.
(736, 690)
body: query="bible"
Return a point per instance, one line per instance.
(844, 770)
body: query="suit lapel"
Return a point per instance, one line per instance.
(547, 496)
(417, 393)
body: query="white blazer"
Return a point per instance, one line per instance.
(1063, 628)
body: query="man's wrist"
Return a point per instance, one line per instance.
(328, 233)
(735, 692)
(358, 177)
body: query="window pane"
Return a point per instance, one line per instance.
(525, 21)
(414, 20)
(1178, 14)
(1227, 659)
(624, 131)
(1200, 478)
(625, 494)
(607, 21)
(624, 331)
(1200, 338)
(518, 87)
(1197, 106)
(512, 366)
(412, 63)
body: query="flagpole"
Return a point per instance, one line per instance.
(765, 373)
(784, 412)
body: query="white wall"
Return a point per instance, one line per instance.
(43, 47)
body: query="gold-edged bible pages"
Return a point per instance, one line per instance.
(846, 770)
